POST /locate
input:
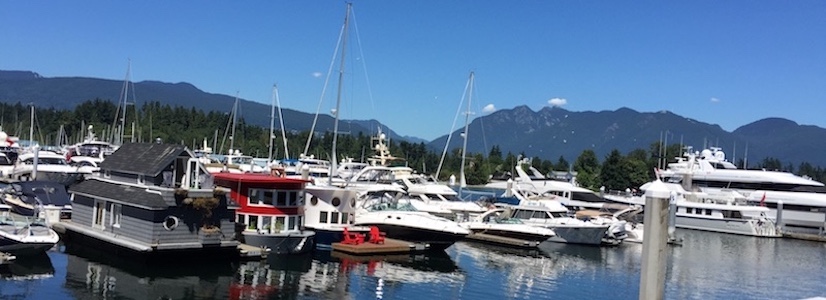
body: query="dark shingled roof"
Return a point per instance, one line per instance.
(119, 193)
(148, 159)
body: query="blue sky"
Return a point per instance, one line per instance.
(721, 62)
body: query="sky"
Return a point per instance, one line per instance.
(407, 63)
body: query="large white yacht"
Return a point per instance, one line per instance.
(804, 200)
(429, 195)
(720, 211)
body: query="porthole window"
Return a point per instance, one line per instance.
(170, 223)
(336, 201)
(314, 200)
(352, 202)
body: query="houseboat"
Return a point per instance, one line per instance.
(155, 201)
(329, 211)
(270, 208)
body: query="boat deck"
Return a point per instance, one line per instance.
(390, 246)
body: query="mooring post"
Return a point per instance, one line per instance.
(652, 273)
(779, 217)
(672, 217)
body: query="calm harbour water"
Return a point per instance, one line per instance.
(706, 266)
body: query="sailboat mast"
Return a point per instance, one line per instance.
(234, 115)
(31, 128)
(463, 182)
(281, 120)
(334, 158)
(272, 122)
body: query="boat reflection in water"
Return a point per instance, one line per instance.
(327, 275)
(93, 274)
(37, 266)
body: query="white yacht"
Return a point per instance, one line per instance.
(245, 163)
(431, 196)
(385, 206)
(804, 200)
(722, 211)
(552, 215)
(87, 155)
(494, 222)
(50, 166)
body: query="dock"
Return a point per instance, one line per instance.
(500, 240)
(249, 252)
(390, 246)
(805, 236)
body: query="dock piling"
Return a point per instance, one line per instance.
(652, 275)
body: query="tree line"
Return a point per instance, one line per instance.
(191, 126)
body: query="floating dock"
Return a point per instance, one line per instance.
(251, 252)
(500, 240)
(805, 236)
(390, 246)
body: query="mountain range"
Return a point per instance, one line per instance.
(548, 133)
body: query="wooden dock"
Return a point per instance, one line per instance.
(251, 252)
(805, 236)
(500, 240)
(390, 246)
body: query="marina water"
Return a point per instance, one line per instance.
(707, 266)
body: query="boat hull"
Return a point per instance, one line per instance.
(282, 243)
(579, 235)
(438, 240)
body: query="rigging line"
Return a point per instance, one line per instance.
(363, 63)
(283, 130)
(481, 121)
(452, 128)
(324, 90)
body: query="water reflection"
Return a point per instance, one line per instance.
(28, 268)
(335, 275)
(93, 274)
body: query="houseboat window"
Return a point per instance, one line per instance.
(334, 217)
(291, 224)
(279, 224)
(336, 202)
(352, 202)
(314, 200)
(252, 223)
(708, 212)
(266, 223)
(100, 210)
(322, 217)
(116, 214)
(294, 199)
(268, 197)
(345, 218)
(170, 223)
(239, 218)
(282, 198)
(300, 222)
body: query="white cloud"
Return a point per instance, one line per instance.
(557, 101)
(489, 109)
(317, 74)
(714, 100)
